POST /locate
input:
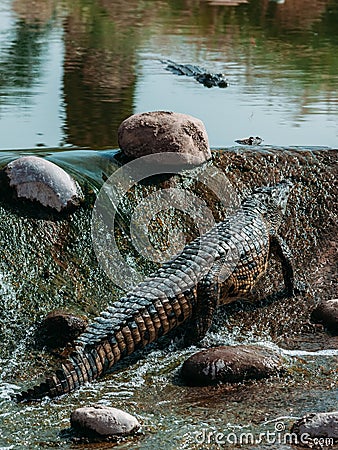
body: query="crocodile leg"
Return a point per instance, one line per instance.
(208, 296)
(281, 250)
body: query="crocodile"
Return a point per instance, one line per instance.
(250, 141)
(201, 75)
(214, 269)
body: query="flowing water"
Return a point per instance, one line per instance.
(70, 72)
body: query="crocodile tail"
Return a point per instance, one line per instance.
(83, 365)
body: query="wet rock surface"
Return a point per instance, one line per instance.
(103, 421)
(231, 364)
(36, 179)
(60, 328)
(164, 131)
(315, 426)
(326, 313)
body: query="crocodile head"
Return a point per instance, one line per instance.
(212, 79)
(272, 201)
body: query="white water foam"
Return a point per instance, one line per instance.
(327, 352)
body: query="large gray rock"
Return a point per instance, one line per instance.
(164, 131)
(231, 364)
(103, 421)
(327, 314)
(317, 426)
(34, 178)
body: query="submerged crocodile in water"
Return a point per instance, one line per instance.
(252, 140)
(201, 75)
(214, 269)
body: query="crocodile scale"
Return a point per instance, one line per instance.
(214, 269)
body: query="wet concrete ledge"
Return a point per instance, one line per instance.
(58, 253)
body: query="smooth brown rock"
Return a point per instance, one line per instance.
(231, 364)
(103, 421)
(163, 131)
(316, 426)
(36, 179)
(60, 327)
(327, 314)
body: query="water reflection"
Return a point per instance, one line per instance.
(71, 71)
(36, 12)
(298, 15)
(21, 65)
(99, 69)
